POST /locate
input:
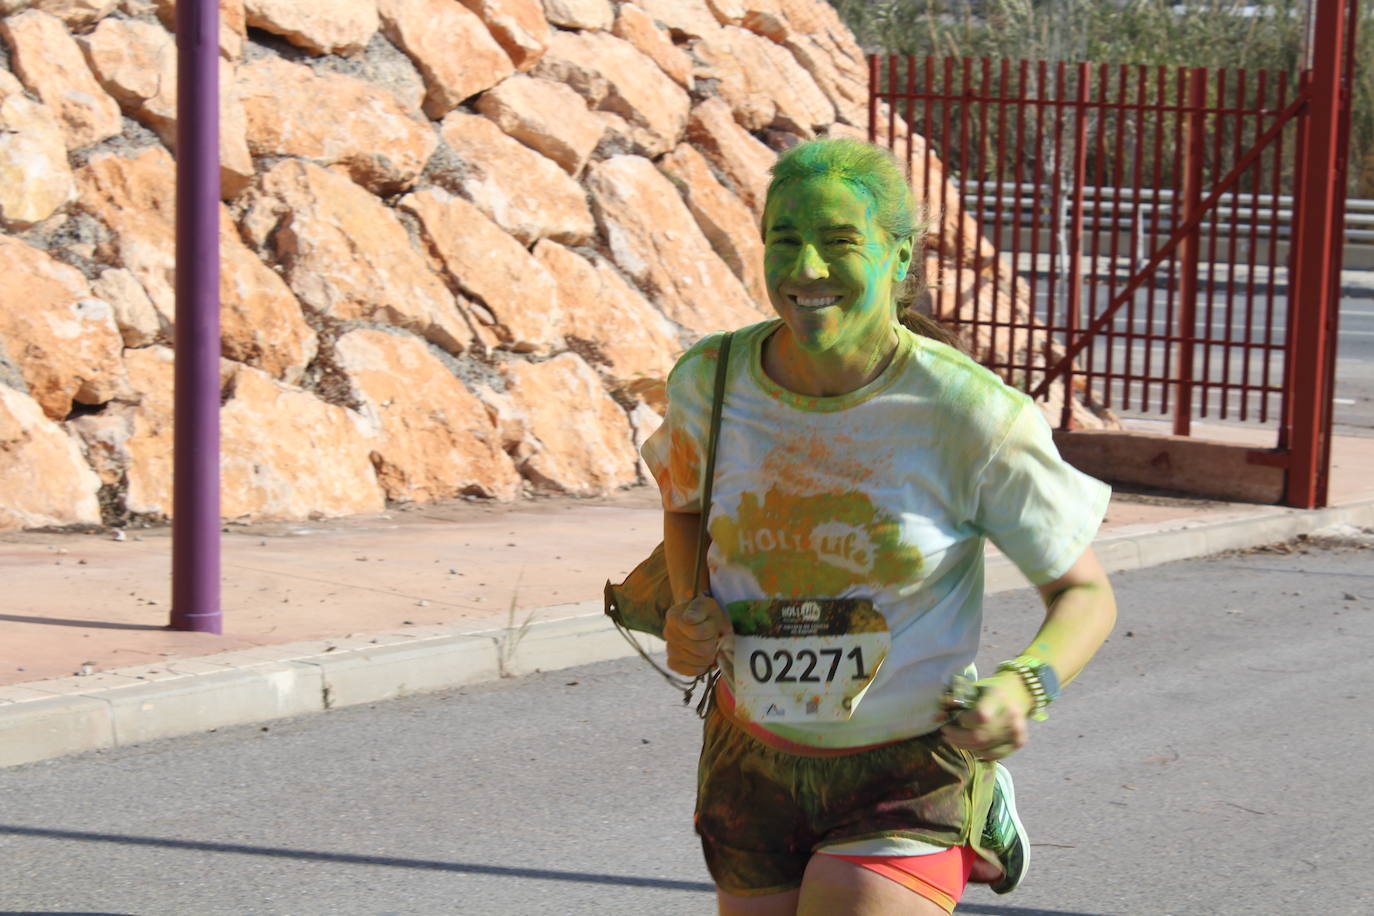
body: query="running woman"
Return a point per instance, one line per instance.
(862, 463)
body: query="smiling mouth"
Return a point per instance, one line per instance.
(814, 302)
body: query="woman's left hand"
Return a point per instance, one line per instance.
(995, 725)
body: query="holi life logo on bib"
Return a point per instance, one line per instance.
(815, 545)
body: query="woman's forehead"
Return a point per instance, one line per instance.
(818, 202)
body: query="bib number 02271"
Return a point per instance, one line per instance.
(807, 666)
(807, 659)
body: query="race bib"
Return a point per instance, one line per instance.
(805, 660)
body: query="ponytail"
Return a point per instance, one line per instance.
(913, 290)
(926, 326)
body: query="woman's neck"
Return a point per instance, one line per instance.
(828, 373)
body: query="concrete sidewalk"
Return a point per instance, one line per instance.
(334, 613)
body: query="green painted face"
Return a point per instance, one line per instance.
(830, 268)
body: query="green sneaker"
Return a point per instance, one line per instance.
(1004, 836)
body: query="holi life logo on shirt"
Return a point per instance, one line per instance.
(816, 545)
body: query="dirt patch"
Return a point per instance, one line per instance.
(1307, 543)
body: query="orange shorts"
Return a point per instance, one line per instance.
(937, 876)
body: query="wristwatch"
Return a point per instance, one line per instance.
(1040, 679)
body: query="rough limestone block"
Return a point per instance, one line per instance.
(320, 26)
(762, 83)
(63, 340)
(726, 220)
(35, 179)
(583, 441)
(332, 119)
(525, 193)
(136, 62)
(44, 481)
(628, 334)
(743, 160)
(449, 44)
(545, 116)
(491, 266)
(611, 74)
(639, 29)
(435, 439)
(580, 14)
(233, 29)
(346, 255)
(653, 237)
(51, 65)
(284, 453)
(135, 198)
(519, 26)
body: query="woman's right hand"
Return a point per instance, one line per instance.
(693, 631)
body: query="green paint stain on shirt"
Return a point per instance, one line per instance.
(815, 546)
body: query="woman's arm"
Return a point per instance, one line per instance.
(680, 533)
(1080, 611)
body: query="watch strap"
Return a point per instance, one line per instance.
(1041, 680)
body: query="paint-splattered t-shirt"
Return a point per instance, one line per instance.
(885, 493)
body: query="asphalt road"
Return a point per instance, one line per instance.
(1213, 760)
(1354, 394)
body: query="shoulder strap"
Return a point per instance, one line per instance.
(717, 399)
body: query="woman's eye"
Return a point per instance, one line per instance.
(786, 243)
(843, 243)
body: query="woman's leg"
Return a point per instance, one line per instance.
(784, 904)
(835, 887)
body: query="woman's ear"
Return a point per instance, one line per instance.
(904, 259)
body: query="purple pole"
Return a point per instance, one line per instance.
(195, 484)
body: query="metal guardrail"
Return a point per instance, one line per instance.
(1149, 209)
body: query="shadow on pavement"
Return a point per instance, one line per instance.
(472, 868)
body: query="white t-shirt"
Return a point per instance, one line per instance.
(885, 493)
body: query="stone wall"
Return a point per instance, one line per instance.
(462, 242)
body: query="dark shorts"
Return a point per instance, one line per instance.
(762, 812)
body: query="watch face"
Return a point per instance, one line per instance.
(1048, 679)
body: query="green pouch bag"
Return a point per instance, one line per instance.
(642, 601)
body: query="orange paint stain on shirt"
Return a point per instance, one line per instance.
(807, 463)
(681, 475)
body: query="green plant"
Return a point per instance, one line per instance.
(510, 638)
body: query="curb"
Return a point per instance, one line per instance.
(45, 719)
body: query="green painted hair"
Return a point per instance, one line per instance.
(873, 172)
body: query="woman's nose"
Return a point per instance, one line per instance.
(810, 264)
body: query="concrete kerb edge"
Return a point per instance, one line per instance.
(575, 634)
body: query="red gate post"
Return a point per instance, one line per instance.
(1191, 245)
(1075, 291)
(1311, 269)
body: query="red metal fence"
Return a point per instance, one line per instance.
(1137, 214)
